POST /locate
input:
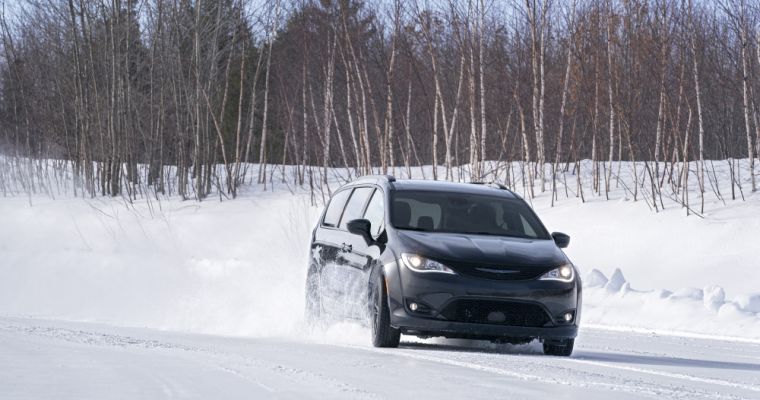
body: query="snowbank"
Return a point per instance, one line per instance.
(690, 310)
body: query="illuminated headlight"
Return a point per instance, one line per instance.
(422, 264)
(564, 273)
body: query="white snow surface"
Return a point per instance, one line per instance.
(44, 359)
(237, 268)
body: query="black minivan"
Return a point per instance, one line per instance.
(433, 258)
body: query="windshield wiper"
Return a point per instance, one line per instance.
(497, 234)
(412, 228)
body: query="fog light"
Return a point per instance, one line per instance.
(568, 317)
(413, 306)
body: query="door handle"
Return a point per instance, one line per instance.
(346, 247)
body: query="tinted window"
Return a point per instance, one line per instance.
(376, 212)
(355, 205)
(335, 208)
(465, 213)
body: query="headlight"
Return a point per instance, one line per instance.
(422, 264)
(564, 273)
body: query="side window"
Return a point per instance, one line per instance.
(355, 205)
(376, 212)
(335, 209)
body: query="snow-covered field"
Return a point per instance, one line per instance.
(237, 269)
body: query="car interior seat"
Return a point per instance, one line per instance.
(402, 214)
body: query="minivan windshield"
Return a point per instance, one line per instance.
(465, 213)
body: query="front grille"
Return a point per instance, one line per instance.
(496, 312)
(489, 271)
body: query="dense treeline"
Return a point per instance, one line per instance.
(125, 93)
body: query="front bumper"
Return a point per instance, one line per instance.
(413, 325)
(437, 290)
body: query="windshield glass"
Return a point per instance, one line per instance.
(465, 213)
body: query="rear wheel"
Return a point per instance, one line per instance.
(383, 334)
(559, 350)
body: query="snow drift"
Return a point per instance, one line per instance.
(689, 310)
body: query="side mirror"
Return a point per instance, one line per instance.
(561, 239)
(362, 228)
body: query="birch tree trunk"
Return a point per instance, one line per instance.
(438, 98)
(407, 127)
(474, 173)
(544, 32)
(699, 106)
(350, 117)
(253, 102)
(745, 77)
(482, 91)
(238, 128)
(363, 130)
(661, 112)
(328, 106)
(757, 127)
(612, 106)
(450, 133)
(564, 102)
(389, 109)
(262, 160)
(525, 149)
(536, 115)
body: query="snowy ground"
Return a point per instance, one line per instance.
(153, 284)
(63, 359)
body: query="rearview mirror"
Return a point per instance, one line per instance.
(561, 239)
(362, 228)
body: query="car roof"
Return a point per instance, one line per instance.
(486, 188)
(453, 187)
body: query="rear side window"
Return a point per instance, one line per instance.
(335, 208)
(355, 206)
(376, 212)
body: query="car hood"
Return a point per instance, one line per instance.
(485, 249)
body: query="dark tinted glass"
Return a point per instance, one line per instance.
(355, 205)
(465, 213)
(335, 209)
(376, 212)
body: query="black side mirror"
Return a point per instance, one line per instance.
(561, 239)
(362, 228)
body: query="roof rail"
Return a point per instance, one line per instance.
(492, 184)
(388, 178)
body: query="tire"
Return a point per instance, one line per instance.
(383, 334)
(558, 350)
(313, 301)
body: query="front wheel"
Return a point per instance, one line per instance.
(383, 334)
(559, 350)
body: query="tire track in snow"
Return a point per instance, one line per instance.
(668, 374)
(94, 338)
(655, 390)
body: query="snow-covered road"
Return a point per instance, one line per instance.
(61, 359)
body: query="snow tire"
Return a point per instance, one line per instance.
(560, 351)
(383, 334)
